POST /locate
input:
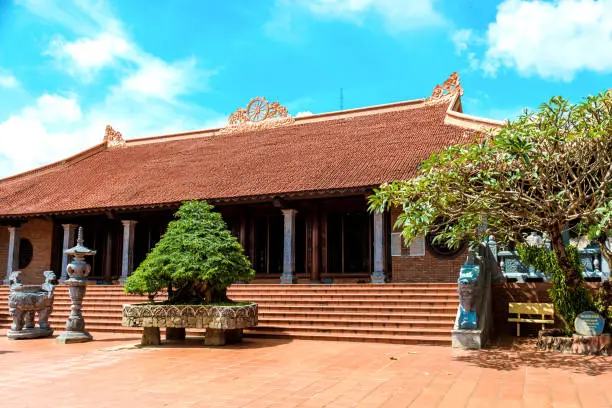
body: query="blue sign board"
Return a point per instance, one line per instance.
(589, 324)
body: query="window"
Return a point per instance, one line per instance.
(26, 251)
(440, 249)
(269, 242)
(416, 248)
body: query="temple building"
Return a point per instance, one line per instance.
(293, 190)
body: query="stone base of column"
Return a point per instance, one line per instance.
(74, 337)
(6, 282)
(122, 280)
(288, 279)
(378, 277)
(220, 337)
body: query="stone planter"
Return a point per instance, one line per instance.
(553, 340)
(223, 324)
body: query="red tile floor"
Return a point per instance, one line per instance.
(112, 372)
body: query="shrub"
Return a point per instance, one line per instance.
(196, 259)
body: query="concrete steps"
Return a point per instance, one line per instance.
(394, 313)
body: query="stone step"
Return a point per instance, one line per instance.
(353, 331)
(441, 340)
(274, 314)
(405, 314)
(355, 323)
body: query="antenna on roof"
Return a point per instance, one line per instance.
(341, 99)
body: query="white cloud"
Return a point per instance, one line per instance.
(144, 101)
(553, 40)
(102, 42)
(397, 15)
(462, 39)
(55, 127)
(39, 131)
(303, 113)
(85, 56)
(8, 80)
(159, 79)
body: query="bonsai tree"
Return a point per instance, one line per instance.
(544, 172)
(196, 259)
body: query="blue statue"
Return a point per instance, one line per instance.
(468, 294)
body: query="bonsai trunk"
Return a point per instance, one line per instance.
(211, 295)
(572, 275)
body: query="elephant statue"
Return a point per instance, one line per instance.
(25, 301)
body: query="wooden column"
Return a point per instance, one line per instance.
(127, 256)
(288, 275)
(68, 242)
(251, 249)
(12, 264)
(315, 272)
(378, 274)
(243, 237)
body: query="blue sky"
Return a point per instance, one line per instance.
(147, 67)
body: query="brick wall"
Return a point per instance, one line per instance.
(40, 233)
(504, 293)
(4, 236)
(428, 268)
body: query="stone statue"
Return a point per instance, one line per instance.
(26, 300)
(468, 294)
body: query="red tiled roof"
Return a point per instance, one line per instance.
(351, 149)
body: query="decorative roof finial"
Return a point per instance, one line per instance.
(259, 114)
(450, 87)
(113, 138)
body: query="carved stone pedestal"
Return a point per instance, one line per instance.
(74, 337)
(75, 325)
(223, 324)
(24, 302)
(33, 333)
(78, 270)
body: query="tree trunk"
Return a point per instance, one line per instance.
(572, 275)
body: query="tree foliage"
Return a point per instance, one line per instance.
(542, 172)
(196, 259)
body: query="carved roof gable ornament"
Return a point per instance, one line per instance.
(450, 87)
(259, 114)
(113, 138)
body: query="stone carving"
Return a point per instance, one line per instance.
(449, 88)
(113, 138)
(217, 320)
(259, 114)
(25, 301)
(468, 294)
(555, 340)
(78, 271)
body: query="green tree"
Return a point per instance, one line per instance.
(196, 259)
(543, 172)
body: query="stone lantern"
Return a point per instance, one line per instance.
(78, 270)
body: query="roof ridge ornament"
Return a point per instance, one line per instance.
(259, 114)
(113, 138)
(450, 87)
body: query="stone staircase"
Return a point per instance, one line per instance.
(393, 313)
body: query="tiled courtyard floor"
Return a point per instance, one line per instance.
(111, 372)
